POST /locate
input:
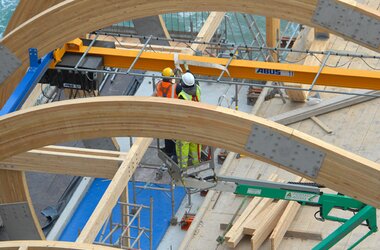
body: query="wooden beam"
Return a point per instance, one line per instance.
(157, 48)
(26, 9)
(237, 225)
(284, 222)
(57, 245)
(257, 204)
(114, 116)
(60, 23)
(266, 223)
(272, 34)
(311, 60)
(208, 30)
(291, 233)
(239, 233)
(63, 163)
(114, 190)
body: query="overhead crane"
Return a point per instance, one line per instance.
(235, 68)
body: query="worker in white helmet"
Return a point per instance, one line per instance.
(190, 92)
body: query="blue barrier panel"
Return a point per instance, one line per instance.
(161, 211)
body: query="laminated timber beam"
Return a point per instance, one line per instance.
(52, 123)
(243, 69)
(26, 9)
(61, 23)
(208, 30)
(114, 190)
(54, 245)
(68, 163)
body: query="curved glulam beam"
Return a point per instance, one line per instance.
(51, 245)
(71, 120)
(26, 9)
(70, 19)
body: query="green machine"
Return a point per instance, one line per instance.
(307, 194)
(313, 196)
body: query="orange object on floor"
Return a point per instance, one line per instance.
(186, 221)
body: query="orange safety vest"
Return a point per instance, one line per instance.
(166, 89)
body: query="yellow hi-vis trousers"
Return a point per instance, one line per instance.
(184, 149)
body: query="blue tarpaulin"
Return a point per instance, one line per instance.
(161, 211)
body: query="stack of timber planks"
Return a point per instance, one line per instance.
(263, 218)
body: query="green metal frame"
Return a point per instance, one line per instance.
(326, 203)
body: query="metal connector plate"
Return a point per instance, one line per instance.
(348, 21)
(286, 151)
(8, 63)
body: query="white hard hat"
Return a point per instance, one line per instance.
(188, 79)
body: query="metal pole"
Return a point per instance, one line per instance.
(173, 220)
(121, 242)
(240, 83)
(86, 52)
(228, 64)
(188, 197)
(151, 224)
(236, 97)
(114, 76)
(139, 54)
(139, 229)
(319, 71)
(256, 48)
(137, 214)
(133, 205)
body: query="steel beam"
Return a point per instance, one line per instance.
(243, 69)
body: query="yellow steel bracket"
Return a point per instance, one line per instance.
(75, 44)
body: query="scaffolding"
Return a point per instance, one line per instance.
(119, 233)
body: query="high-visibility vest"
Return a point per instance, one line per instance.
(166, 89)
(186, 96)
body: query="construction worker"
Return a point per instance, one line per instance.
(165, 88)
(190, 92)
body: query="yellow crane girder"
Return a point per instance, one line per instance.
(239, 69)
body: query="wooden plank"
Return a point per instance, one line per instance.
(239, 233)
(251, 226)
(208, 30)
(220, 127)
(292, 233)
(267, 224)
(236, 233)
(41, 31)
(114, 190)
(45, 245)
(272, 26)
(317, 45)
(63, 163)
(284, 222)
(236, 227)
(85, 151)
(321, 124)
